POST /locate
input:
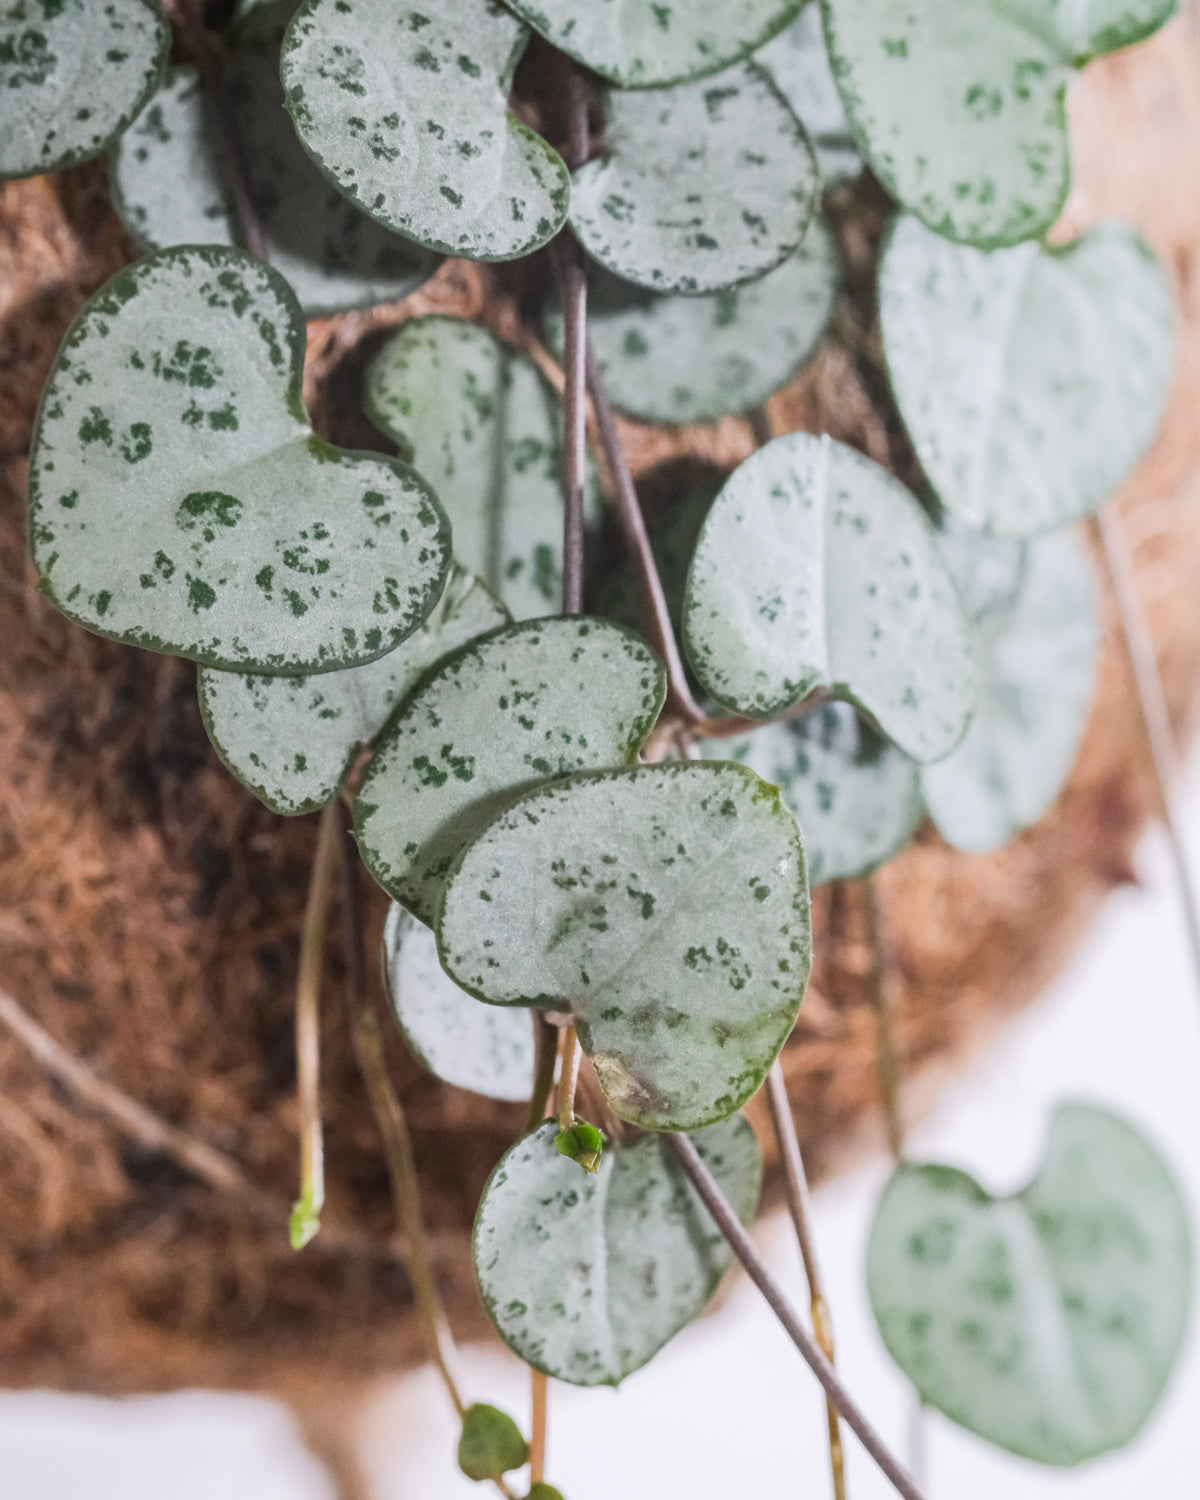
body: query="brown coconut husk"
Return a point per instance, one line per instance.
(150, 908)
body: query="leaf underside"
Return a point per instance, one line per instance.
(587, 1277)
(72, 76)
(665, 908)
(1048, 1322)
(520, 706)
(404, 107)
(1030, 380)
(179, 500)
(816, 568)
(702, 186)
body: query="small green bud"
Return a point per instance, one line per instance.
(491, 1443)
(544, 1492)
(304, 1223)
(582, 1143)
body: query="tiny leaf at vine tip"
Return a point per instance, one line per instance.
(582, 1143)
(490, 1444)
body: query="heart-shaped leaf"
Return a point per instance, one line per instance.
(815, 568)
(179, 500)
(856, 797)
(645, 44)
(1038, 653)
(1047, 1322)
(524, 704)
(798, 62)
(587, 1277)
(485, 1048)
(171, 184)
(665, 908)
(702, 186)
(984, 158)
(293, 740)
(482, 424)
(1031, 380)
(73, 73)
(405, 108)
(672, 358)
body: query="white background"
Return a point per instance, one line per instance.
(728, 1410)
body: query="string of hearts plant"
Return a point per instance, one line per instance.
(596, 817)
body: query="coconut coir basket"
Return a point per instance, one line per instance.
(150, 908)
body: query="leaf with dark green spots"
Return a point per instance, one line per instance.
(293, 740)
(516, 708)
(1031, 380)
(171, 185)
(649, 43)
(491, 1443)
(817, 569)
(73, 73)
(180, 501)
(1048, 1322)
(664, 908)
(798, 62)
(587, 1277)
(673, 358)
(1038, 653)
(404, 107)
(484, 1048)
(701, 187)
(856, 797)
(984, 159)
(480, 422)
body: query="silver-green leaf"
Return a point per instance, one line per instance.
(485, 1048)
(959, 108)
(1048, 1322)
(798, 62)
(171, 185)
(664, 908)
(701, 187)
(522, 705)
(1031, 380)
(646, 44)
(673, 358)
(587, 1277)
(1038, 654)
(856, 797)
(405, 108)
(479, 420)
(73, 73)
(180, 501)
(293, 740)
(816, 569)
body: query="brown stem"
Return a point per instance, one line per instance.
(1152, 700)
(796, 1183)
(742, 1246)
(568, 1079)
(573, 295)
(537, 1435)
(545, 1057)
(888, 1061)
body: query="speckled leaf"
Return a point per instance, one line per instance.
(799, 64)
(73, 73)
(405, 108)
(293, 740)
(171, 186)
(1038, 654)
(524, 704)
(702, 186)
(1048, 1322)
(1031, 380)
(179, 500)
(665, 908)
(856, 797)
(482, 424)
(674, 358)
(959, 108)
(646, 43)
(587, 1277)
(815, 568)
(485, 1048)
